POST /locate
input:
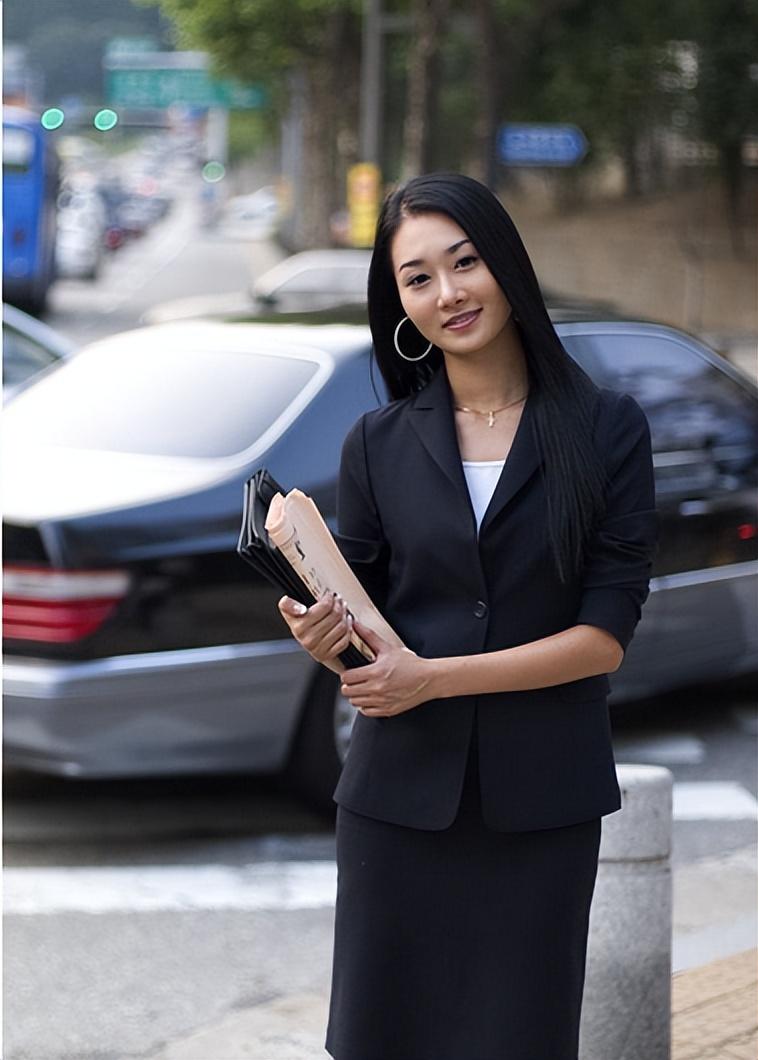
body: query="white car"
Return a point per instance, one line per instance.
(314, 279)
(80, 239)
(253, 216)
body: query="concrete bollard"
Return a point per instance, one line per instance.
(627, 997)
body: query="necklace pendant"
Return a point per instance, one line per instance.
(492, 420)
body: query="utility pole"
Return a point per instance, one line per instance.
(371, 81)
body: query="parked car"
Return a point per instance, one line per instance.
(113, 195)
(135, 215)
(80, 245)
(313, 279)
(253, 216)
(29, 348)
(137, 642)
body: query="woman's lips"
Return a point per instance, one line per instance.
(462, 320)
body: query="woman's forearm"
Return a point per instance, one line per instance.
(581, 651)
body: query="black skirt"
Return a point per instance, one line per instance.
(460, 944)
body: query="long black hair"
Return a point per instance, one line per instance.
(562, 394)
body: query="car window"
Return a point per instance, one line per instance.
(185, 403)
(694, 409)
(22, 357)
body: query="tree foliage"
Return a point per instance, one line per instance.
(726, 92)
(259, 39)
(308, 54)
(603, 66)
(455, 75)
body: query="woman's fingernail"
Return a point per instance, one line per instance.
(299, 608)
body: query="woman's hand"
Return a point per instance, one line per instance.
(323, 629)
(396, 681)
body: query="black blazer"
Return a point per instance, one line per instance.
(407, 528)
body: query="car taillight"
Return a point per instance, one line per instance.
(45, 604)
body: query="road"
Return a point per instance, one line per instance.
(154, 918)
(178, 259)
(160, 918)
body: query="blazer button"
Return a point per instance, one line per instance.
(480, 611)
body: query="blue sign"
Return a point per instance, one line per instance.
(540, 145)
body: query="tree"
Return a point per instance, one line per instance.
(427, 23)
(309, 47)
(726, 35)
(507, 32)
(602, 67)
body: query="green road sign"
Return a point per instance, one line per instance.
(193, 87)
(130, 46)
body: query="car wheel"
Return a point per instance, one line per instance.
(321, 742)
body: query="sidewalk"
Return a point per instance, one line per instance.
(714, 1017)
(714, 1010)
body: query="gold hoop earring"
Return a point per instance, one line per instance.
(404, 356)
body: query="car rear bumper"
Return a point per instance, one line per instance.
(213, 709)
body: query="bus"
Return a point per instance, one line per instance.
(30, 190)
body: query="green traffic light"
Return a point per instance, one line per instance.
(213, 172)
(105, 120)
(52, 118)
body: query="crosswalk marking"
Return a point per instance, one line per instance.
(264, 886)
(660, 748)
(713, 801)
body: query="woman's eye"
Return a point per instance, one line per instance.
(469, 259)
(415, 281)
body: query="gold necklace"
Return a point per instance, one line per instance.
(491, 413)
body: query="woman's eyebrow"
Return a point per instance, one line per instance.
(420, 261)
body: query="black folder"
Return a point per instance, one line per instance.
(255, 548)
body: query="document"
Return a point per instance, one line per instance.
(285, 537)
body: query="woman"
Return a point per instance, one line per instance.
(500, 512)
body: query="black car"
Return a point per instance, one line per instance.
(137, 642)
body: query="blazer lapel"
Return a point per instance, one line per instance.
(432, 417)
(520, 464)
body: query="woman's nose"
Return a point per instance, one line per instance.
(449, 292)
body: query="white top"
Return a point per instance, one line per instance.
(482, 477)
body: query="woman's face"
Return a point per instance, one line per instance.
(445, 288)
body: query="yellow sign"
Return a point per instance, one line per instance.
(363, 194)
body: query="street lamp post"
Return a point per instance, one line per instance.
(371, 81)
